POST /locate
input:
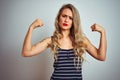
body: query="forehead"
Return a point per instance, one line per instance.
(67, 11)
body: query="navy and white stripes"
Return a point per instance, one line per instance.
(64, 68)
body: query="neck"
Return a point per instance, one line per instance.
(65, 33)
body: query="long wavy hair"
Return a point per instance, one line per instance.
(76, 34)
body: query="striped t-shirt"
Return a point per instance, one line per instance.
(64, 68)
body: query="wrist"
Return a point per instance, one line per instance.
(103, 33)
(31, 28)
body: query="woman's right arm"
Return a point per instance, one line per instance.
(29, 49)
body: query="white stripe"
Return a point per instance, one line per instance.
(65, 61)
(61, 63)
(68, 70)
(65, 57)
(67, 77)
(66, 67)
(57, 74)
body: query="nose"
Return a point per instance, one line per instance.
(66, 19)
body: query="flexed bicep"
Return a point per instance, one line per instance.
(91, 49)
(38, 47)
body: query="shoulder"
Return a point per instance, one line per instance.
(47, 40)
(86, 41)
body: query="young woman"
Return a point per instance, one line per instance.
(67, 43)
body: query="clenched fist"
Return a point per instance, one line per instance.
(37, 23)
(96, 27)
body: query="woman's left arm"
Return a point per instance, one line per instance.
(99, 53)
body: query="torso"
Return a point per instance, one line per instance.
(64, 67)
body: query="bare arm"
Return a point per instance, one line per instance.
(99, 53)
(29, 49)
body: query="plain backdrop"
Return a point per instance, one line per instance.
(17, 15)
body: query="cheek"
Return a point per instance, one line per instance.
(60, 21)
(71, 23)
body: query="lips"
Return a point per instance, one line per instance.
(64, 24)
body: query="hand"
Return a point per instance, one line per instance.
(37, 23)
(96, 27)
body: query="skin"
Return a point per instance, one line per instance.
(65, 42)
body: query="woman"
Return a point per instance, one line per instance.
(67, 43)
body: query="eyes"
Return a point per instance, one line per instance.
(66, 16)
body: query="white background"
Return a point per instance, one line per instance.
(17, 15)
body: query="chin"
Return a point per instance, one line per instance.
(65, 27)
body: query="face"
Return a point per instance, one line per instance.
(66, 19)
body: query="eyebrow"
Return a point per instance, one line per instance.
(67, 15)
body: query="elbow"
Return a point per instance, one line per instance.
(24, 54)
(102, 56)
(102, 59)
(27, 53)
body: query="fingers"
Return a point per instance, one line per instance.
(37, 23)
(93, 27)
(97, 27)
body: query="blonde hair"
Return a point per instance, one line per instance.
(76, 34)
